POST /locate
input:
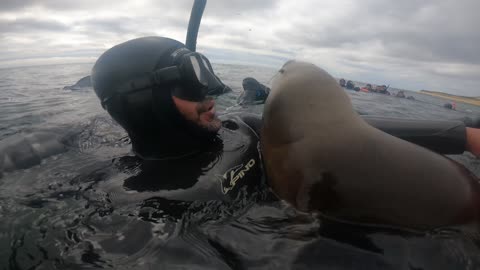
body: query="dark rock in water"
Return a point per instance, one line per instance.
(254, 92)
(448, 106)
(82, 83)
(411, 98)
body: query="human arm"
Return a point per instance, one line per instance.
(443, 137)
(473, 141)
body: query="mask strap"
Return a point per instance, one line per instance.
(177, 54)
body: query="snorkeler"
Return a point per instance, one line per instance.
(253, 92)
(160, 93)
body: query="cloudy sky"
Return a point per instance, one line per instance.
(428, 44)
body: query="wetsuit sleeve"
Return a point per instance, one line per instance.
(444, 137)
(471, 122)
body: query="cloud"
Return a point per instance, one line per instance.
(24, 25)
(12, 5)
(410, 44)
(57, 5)
(119, 25)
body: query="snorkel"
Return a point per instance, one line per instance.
(190, 71)
(194, 24)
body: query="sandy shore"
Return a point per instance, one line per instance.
(468, 100)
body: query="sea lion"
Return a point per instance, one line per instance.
(320, 155)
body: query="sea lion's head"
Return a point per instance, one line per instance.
(304, 107)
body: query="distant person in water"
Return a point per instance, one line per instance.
(350, 85)
(342, 82)
(253, 92)
(448, 105)
(451, 106)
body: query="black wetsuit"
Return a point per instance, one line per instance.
(220, 171)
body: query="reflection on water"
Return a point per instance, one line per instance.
(73, 211)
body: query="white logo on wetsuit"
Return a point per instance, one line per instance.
(230, 178)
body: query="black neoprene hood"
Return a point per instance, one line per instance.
(155, 126)
(130, 60)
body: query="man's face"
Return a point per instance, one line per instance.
(200, 113)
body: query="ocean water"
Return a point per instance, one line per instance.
(66, 214)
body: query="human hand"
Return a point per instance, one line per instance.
(473, 141)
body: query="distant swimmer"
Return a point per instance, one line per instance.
(350, 85)
(450, 106)
(319, 155)
(342, 82)
(253, 92)
(382, 89)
